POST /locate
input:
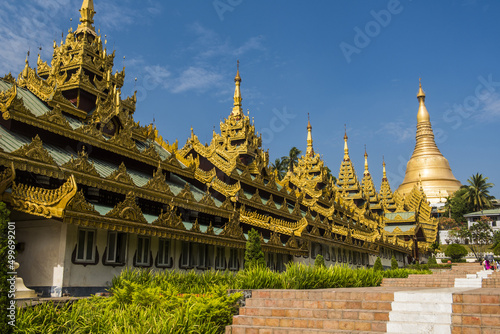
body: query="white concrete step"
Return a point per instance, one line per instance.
(468, 282)
(421, 317)
(421, 307)
(421, 328)
(424, 296)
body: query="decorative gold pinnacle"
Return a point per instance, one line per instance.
(346, 149)
(309, 150)
(237, 110)
(86, 18)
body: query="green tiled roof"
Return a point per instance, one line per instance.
(31, 102)
(403, 215)
(404, 228)
(493, 212)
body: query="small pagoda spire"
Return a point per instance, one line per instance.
(87, 18)
(384, 174)
(346, 149)
(237, 110)
(423, 114)
(310, 150)
(366, 172)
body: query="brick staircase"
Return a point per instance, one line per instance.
(347, 310)
(443, 279)
(389, 308)
(476, 311)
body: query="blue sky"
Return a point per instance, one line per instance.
(355, 63)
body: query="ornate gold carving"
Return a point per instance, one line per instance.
(274, 239)
(158, 182)
(81, 164)
(196, 226)
(43, 202)
(128, 210)
(207, 198)
(6, 99)
(170, 219)
(210, 229)
(232, 228)
(55, 116)
(121, 175)
(292, 242)
(270, 202)
(6, 178)
(151, 152)
(35, 151)
(315, 231)
(186, 193)
(79, 204)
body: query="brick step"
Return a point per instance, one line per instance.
(310, 323)
(320, 304)
(473, 330)
(476, 319)
(326, 294)
(239, 329)
(491, 283)
(297, 313)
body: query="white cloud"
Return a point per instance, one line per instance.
(399, 130)
(490, 108)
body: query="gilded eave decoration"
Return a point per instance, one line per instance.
(43, 202)
(128, 210)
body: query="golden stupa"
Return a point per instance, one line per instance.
(428, 168)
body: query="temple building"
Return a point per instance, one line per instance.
(92, 191)
(427, 166)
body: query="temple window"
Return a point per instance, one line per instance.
(142, 257)
(163, 257)
(186, 255)
(85, 249)
(233, 259)
(220, 258)
(203, 256)
(116, 248)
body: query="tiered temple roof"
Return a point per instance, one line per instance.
(71, 151)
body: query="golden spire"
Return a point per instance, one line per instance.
(366, 163)
(427, 168)
(384, 175)
(346, 149)
(310, 150)
(86, 18)
(423, 114)
(237, 110)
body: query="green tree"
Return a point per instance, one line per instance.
(254, 256)
(432, 260)
(455, 251)
(478, 194)
(330, 176)
(456, 206)
(480, 237)
(496, 239)
(4, 269)
(280, 165)
(293, 157)
(319, 261)
(377, 266)
(394, 263)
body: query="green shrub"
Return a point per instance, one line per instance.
(377, 266)
(455, 251)
(496, 250)
(432, 261)
(394, 263)
(319, 261)
(254, 256)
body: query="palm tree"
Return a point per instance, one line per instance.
(280, 165)
(477, 194)
(293, 157)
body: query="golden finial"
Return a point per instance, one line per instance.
(310, 150)
(87, 18)
(237, 110)
(366, 162)
(384, 175)
(423, 114)
(346, 149)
